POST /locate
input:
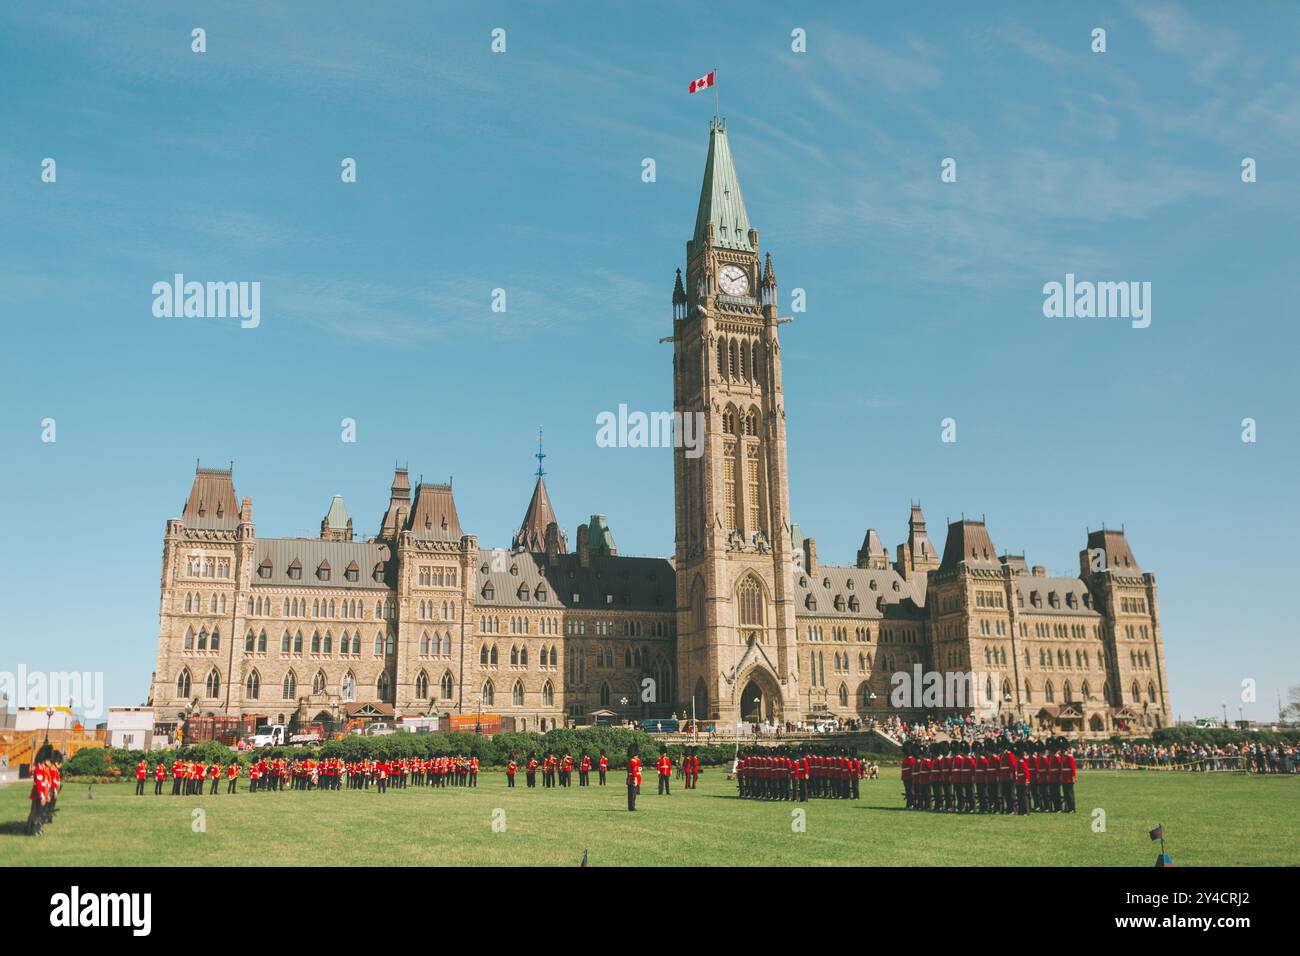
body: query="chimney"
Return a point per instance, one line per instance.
(246, 510)
(1040, 571)
(552, 545)
(904, 566)
(810, 555)
(1085, 564)
(584, 552)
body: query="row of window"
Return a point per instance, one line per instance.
(207, 566)
(195, 604)
(739, 360)
(432, 576)
(319, 644)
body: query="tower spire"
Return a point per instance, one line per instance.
(539, 454)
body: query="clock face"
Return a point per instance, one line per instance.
(733, 281)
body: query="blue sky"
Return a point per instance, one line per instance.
(522, 171)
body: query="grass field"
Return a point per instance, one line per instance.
(1211, 819)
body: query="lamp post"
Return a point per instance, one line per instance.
(49, 715)
(1225, 713)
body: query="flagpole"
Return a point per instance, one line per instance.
(717, 101)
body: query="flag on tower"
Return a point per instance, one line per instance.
(703, 82)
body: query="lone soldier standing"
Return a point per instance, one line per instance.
(665, 767)
(603, 766)
(141, 771)
(511, 767)
(530, 771)
(159, 775)
(633, 776)
(232, 776)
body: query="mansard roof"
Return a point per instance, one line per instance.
(433, 515)
(969, 543)
(609, 582)
(1054, 596)
(279, 554)
(881, 593)
(721, 204)
(211, 504)
(1119, 556)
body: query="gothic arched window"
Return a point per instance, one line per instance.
(183, 683)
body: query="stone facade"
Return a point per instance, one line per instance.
(743, 623)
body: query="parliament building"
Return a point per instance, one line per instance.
(744, 622)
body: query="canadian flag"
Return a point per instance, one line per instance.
(703, 82)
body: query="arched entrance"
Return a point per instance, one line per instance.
(759, 699)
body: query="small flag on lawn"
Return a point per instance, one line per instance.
(1158, 833)
(584, 858)
(704, 82)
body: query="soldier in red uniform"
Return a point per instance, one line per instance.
(1007, 777)
(40, 793)
(232, 776)
(602, 765)
(214, 774)
(159, 775)
(665, 768)
(633, 776)
(178, 768)
(693, 770)
(530, 771)
(141, 771)
(1069, 771)
(584, 770)
(1040, 778)
(473, 771)
(1054, 770)
(511, 767)
(1023, 761)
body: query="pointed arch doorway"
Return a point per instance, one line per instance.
(759, 699)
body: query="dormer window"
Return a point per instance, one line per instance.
(826, 583)
(378, 573)
(264, 569)
(323, 572)
(849, 584)
(810, 603)
(352, 572)
(295, 570)
(839, 602)
(488, 592)
(522, 593)
(897, 587)
(514, 569)
(854, 605)
(872, 584)
(540, 593)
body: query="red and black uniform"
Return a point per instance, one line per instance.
(232, 776)
(1069, 771)
(665, 768)
(602, 765)
(159, 775)
(511, 767)
(141, 771)
(633, 779)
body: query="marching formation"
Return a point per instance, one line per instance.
(994, 775)
(47, 781)
(557, 770)
(765, 774)
(274, 774)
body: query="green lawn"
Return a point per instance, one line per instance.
(1211, 819)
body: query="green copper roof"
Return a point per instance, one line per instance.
(720, 199)
(600, 538)
(338, 515)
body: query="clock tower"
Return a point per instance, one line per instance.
(736, 655)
